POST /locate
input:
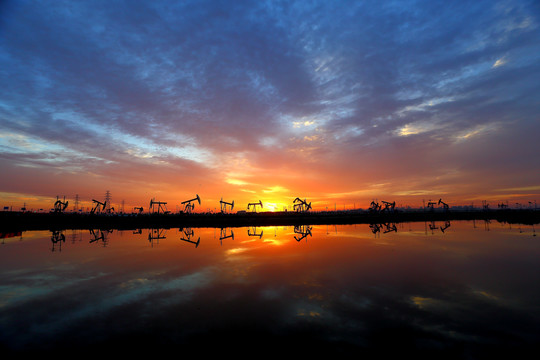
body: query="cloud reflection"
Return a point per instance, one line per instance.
(349, 290)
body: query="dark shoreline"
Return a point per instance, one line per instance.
(23, 221)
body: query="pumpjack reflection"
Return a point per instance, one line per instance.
(223, 235)
(384, 228)
(303, 230)
(433, 226)
(187, 235)
(99, 236)
(300, 232)
(155, 235)
(445, 226)
(252, 231)
(57, 238)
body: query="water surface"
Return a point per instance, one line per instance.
(452, 290)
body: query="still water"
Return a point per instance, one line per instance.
(451, 290)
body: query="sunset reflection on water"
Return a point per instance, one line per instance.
(465, 288)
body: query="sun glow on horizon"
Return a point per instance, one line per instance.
(272, 207)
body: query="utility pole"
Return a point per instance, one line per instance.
(108, 199)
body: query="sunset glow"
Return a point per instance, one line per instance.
(338, 103)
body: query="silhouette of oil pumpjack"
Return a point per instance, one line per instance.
(139, 209)
(374, 206)
(255, 205)
(188, 208)
(99, 206)
(430, 204)
(389, 206)
(225, 204)
(59, 205)
(301, 205)
(445, 205)
(159, 206)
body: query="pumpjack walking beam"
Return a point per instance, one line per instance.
(159, 204)
(255, 205)
(225, 204)
(388, 206)
(188, 206)
(445, 205)
(99, 206)
(301, 205)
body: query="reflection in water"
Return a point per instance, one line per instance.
(384, 228)
(429, 289)
(99, 236)
(252, 231)
(445, 226)
(154, 235)
(303, 230)
(57, 238)
(223, 235)
(188, 234)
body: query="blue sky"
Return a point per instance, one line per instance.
(341, 101)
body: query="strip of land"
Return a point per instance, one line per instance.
(22, 221)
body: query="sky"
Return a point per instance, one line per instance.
(336, 102)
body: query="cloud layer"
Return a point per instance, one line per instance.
(336, 101)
